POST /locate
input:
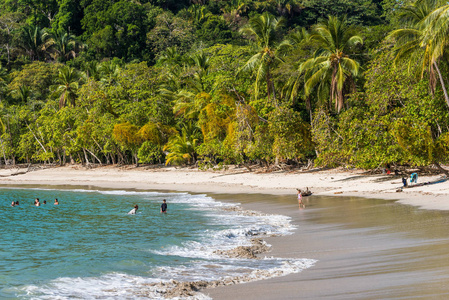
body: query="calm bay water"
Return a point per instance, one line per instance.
(89, 247)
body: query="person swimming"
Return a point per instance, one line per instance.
(134, 210)
(17, 203)
(36, 202)
(13, 203)
(56, 201)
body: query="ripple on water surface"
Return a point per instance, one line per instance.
(88, 246)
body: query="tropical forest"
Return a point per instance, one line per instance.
(210, 83)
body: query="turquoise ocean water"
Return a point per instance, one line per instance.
(88, 247)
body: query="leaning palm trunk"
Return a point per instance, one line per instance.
(443, 86)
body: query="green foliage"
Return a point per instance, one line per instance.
(242, 81)
(37, 76)
(150, 153)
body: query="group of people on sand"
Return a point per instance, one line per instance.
(163, 208)
(36, 202)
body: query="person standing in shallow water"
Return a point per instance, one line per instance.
(164, 207)
(300, 198)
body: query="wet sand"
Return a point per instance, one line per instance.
(366, 249)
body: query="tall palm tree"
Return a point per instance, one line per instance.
(423, 41)
(331, 61)
(68, 79)
(264, 30)
(33, 41)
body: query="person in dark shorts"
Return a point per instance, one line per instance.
(164, 207)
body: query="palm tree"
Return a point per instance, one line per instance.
(68, 85)
(423, 42)
(331, 61)
(264, 30)
(200, 62)
(297, 39)
(170, 57)
(182, 147)
(22, 94)
(34, 41)
(109, 72)
(63, 45)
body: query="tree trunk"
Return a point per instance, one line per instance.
(85, 156)
(443, 86)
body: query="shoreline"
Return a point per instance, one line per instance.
(334, 182)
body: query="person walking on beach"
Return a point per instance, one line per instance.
(134, 210)
(300, 199)
(164, 207)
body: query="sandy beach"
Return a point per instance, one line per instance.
(335, 182)
(344, 234)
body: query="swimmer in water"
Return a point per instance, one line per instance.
(13, 203)
(134, 210)
(17, 203)
(56, 201)
(36, 202)
(164, 207)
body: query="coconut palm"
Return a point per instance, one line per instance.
(331, 61)
(264, 30)
(423, 41)
(109, 72)
(67, 87)
(170, 57)
(182, 147)
(33, 41)
(62, 45)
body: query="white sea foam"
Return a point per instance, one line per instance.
(205, 263)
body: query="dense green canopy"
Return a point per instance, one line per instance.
(335, 82)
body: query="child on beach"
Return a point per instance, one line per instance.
(300, 199)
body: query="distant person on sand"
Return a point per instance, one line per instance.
(164, 207)
(56, 201)
(134, 210)
(36, 202)
(414, 178)
(404, 181)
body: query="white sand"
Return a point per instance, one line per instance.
(329, 182)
